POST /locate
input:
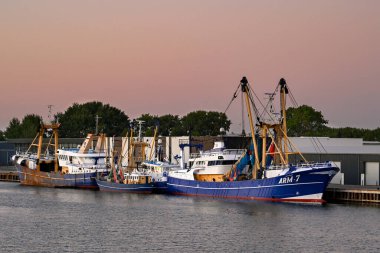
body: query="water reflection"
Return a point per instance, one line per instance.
(43, 220)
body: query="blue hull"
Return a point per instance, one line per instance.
(31, 177)
(160, 187)
(302, 186)
(127, 188)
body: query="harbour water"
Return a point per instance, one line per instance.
(34, 219)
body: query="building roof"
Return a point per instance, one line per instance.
(323, 145)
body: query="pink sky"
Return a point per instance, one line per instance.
(170, 56)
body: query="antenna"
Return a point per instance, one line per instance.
(50, 113)
(140, 122)
(97, 123)
(269, 113)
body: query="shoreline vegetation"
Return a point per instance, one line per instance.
(80, 119)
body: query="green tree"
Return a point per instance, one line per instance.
(27, 128)
(2, 137)
(79, 120)
(13, 130)
(373, 135)
(30, 125)
(305, 121)
(202, 123)
(170, 125)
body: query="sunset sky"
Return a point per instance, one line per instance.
(175, 57)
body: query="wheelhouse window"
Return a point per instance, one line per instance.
(221, 162)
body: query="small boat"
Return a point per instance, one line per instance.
(133, 182)
(142, 175)
(130, 179)
(271, 176)
(159, 171)
(72, 168)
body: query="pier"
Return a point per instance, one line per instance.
(8, 174)
(352, 193)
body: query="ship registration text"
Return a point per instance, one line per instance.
(286, 180)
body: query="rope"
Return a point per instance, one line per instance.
(315, 145)
(233, 98)
(320, 143)
(292, 99)
(267, 105)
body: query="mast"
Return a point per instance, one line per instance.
(55, 132)
(54, 127)
(153, 144)
(264, 148)
(130, 150)
(39, 146)
(283, 92)
(120, 160)
(242, 115)
(245, 89)
(97, 123)
(113, 167)
(136, 150)
(140, 122)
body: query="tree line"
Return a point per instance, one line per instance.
(79, 119)
(306, 121)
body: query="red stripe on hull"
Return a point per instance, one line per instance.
(319, 201)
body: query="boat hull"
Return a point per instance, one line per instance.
(301, 186)
(127, 188)
(160, 187)
(33, 177)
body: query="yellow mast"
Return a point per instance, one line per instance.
(122, 152)
(264, 152)
(130, 150)
(153, 143)
(244, 88)
(39, 146)
(55, 132)
(283, 92)
(54, 127)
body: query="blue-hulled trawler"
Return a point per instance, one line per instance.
(270, 175)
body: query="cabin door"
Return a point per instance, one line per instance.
(372, 173)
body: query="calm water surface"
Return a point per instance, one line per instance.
(66, 220)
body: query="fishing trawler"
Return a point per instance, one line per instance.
(130, 179)
(133, 182)
(142, 175)
(73, 168)
(270, 175)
